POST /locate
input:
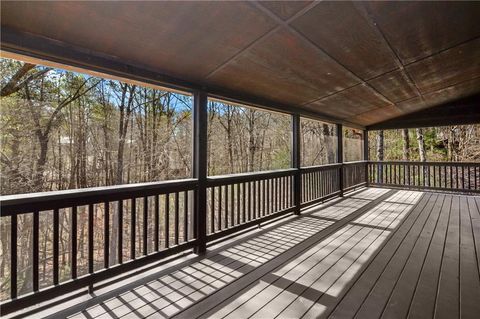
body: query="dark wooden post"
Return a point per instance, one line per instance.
(297, 179)
(366, 156)
(340, 157)
(200, 118)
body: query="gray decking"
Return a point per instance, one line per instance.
(376, 253)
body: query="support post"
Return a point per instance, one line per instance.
(366, 156)
(340, 157)
(200, 118)
(297, 179)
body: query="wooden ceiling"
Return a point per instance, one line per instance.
(361, 62)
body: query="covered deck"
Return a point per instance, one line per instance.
(349, 239)
(377, 252)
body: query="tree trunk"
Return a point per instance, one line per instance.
(421, 144)
(380, 156)
(406, 145)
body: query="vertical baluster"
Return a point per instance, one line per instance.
(13, 258)
(120, 232)
(35, 264)
(106, 232)
(185, 216)
(268, 195)
(145, 226)
(419, 176)
(157, 223)
(476, 168)
(133, 221)
(220, 207)
(90, 240)
(272, 196)
(244, 202)
(456, 176)
(73, 242)
(277, 195)
(451, 175)
(249, 201)
(254, 200)
(167, 220)
(469, 178)
(445, 176)
(212, 210)
(238, 203)
(56, 221)
(226, 206)
(177, 218)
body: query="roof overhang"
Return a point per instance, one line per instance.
(355, 63)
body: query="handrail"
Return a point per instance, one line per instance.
(319, 167)
(246, 177)
(22, 203)
(425, 163)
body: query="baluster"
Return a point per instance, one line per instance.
(244, 201)
(73, 257)
(106, 226)
(238, 204)
(55, 245)
(232, 205)
(212, 210)
(167, 220)
(145, 226)
(249, 201)
(254, 185)
(226, 206)
(35, 265)
(133, 221)
(185, 216)
(176, 217)
(90, 240)
(120, 232)
(220, 207)
(157, 222)
(13, 258)
(264, 200)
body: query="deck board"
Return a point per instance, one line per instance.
(377, 253)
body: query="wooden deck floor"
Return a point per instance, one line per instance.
(376, 253)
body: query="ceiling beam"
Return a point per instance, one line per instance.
(46, 49)
(458, 112)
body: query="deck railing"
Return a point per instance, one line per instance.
(444, 176)
(156, 217)
(319, 183)
(238, 201)
(111, 230)
(128, 226)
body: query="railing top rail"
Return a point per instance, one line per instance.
(426, 163)
(355, 162)
(245, 177)
(321, 167)
(78, 197)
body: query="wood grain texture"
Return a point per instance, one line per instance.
(181, 39)
(340, 30)
(284, 9)
(417, 29)
(350, 102)
(447, 68)
(395, 86)
(284, 68)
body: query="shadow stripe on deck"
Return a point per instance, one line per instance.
(229, 291)
(166, 281)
